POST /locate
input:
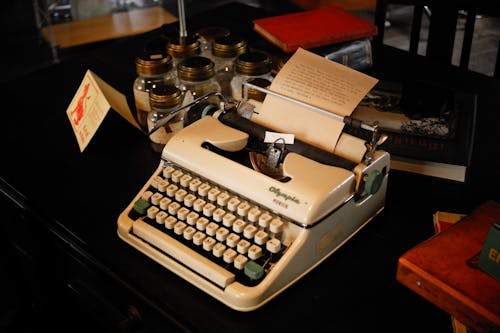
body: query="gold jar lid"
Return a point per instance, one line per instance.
(165, 96)
(183, 47)
(229, 47)
(208, 34)
(153, 63)
(252, 63)
(196, 69)
(255, 94)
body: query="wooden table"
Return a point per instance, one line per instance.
(437, 270)
(103, 28)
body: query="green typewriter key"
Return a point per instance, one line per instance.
(253, 270)
(141, 206)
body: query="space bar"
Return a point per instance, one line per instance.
(183, 254)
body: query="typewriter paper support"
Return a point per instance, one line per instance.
(376, 139)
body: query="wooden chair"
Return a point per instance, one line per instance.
(443, 17)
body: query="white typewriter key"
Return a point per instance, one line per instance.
(176, 176)
(276, 225)
(233, 203)
(188, 233)
(162, 186)
(167, 171)
(191, 218)
(173, 208)
(229, 255)
(239, 225)
(273, 245)
(232, 240)
(228, 220)
(203, 189)
(218, 250)
(243, 209)
(155, 181)
(240, 261)
(208, 209)
(264, 220)
(208, 243)
(182, 213)
(221, 234)
(211, 228)
(198, 238)
(194, 184)
(198, 204)
(201, 223)
(146, 196)
(223, 198)
(164, 203)
(170, 222)
(243, 246)
(180, 195)
(253, 214)
(189, 199)
(218, 214)
(160, 217)
(152, 211)
(184, 181)
(171, 189)
(155, 198)
(249, 231)
(261, 237)
(213, 193)
(179, 227)
(254, 252)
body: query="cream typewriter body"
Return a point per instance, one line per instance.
(236, 233)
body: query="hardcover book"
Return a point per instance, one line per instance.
(313, 28)
(444, 270)
(430, 129)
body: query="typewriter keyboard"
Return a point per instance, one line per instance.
(207, 228)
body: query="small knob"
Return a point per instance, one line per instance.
(373, 181)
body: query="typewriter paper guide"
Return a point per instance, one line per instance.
(320, 82)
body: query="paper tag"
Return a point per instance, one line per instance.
(90, 106)
(271, 137)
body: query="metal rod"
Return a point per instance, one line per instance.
(341, 118)
(182, 19)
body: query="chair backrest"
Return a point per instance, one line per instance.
(443, 17)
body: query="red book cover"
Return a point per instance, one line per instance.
(313, 28)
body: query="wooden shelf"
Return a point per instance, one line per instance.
(113, 26)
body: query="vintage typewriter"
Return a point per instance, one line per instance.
(217, 214)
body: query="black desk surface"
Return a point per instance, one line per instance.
(81, 195)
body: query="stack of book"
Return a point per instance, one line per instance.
(430, 129)
(330, 32)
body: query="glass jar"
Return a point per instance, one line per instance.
(249, 65)
(197, 77)
(164, 99)
(181, 48)
(152, 69)
(207, 35)
(224, 52)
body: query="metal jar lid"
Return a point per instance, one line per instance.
(252, 63)
(153, 63)
(196, 69)
(183, 47)
(165, 96)
(229, 47)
